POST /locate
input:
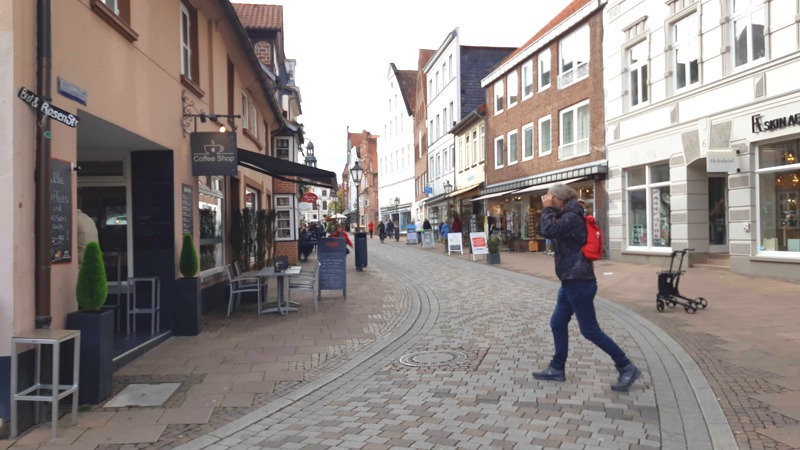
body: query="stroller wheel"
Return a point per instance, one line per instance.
(660, 305)
(702, 302)
(689, 308)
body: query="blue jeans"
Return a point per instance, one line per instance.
(577, 296)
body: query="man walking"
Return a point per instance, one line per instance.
(371, 228)
(562, 220)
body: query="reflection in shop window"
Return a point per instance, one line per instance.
(211, 209)
(778, 197)
(649, 206)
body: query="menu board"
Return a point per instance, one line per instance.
(60, 211)
(427, 239)
(187, 209)
(331, 253)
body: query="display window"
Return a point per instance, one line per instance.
(211, 202)
(778, 196)
(648, 206)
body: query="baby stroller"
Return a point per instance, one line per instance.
(668, 281)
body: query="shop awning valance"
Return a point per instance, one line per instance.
(282, 169)
(545, 186)
(464, 190)
(496, 194)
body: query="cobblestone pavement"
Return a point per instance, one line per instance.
(498, 322)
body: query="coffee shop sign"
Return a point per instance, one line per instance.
(44, 106)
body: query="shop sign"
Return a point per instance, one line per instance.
(214, 153)
(308, 197)
(760, 125)
(44, 106)
(656, 197)
(721, 161)
(428, 190)
(72, 91)
(478, 242)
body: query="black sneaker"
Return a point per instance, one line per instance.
(551, 374)
(627, 376)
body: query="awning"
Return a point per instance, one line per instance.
(545, 186)
(281, 169)
(462, 191)
(496, 194)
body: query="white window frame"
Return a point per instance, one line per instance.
(431, 167)
(575, 46)
(285, 210)
(245, 110)
(482, 143)
(688, 43)
(746, 16)
(254, 120)
(467, 151)
(512, 80)
(545, 150)
(499, 97)
(215, 189)
(475, 155)
(527, 80)
(580, 145)
(513, 147)
(528, 140)
(545, 67)
(113, 5)
(639, 70)
(499, 153)
(461, 156)
(186, 42)
(648, 189)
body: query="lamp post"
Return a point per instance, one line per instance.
(356, 172)
(448, 189)
(397, 211)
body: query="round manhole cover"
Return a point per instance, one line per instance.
(432, 358)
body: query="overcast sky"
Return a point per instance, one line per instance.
(343, 49)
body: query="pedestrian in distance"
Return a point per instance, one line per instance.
(562, 220)
(371, 228)
(381, 231)
(338, 232)
(390, 228)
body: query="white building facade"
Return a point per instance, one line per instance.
(703, 130)
(396, 199)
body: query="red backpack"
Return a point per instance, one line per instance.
(593, 249)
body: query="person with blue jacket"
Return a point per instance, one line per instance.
(562, 220)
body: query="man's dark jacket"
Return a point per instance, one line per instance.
(568, 228)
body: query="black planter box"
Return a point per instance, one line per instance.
(188, 307)
(493, 258)
(97, 353)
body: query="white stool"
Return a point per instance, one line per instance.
(56, 391)
(155, 303)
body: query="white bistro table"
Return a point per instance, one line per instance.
(268, 272)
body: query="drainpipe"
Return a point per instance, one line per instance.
(42, 173)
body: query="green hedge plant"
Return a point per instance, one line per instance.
(92, 287)
(493, 243)
(188, 263)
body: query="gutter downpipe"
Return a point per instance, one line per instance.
(42, 172)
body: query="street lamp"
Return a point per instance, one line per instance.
(357, 172)
(397, 211)
(448, 189)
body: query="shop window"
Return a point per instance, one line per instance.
(211, 206)
(779, 197)
(648, 206)
(284, 220)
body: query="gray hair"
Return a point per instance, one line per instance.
(563, 192)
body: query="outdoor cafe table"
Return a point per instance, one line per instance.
(269, 272)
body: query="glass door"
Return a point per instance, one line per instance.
(717, 215)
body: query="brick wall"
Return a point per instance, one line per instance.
(550, 101)
(287, 248)
(264, 52)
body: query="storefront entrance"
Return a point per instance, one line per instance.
(717, 215)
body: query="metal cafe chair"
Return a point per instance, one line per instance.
(241, 285)
(306, 283)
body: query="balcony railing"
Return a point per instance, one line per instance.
(573, 150)
(567, 78)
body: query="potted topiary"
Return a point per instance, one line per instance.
(188, 292)
(493, 244)
(96, 326)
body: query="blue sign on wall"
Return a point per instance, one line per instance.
(428, 190)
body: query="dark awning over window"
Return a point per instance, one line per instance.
(281, 169)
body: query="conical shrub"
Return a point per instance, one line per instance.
(92, 287)
(188, 263)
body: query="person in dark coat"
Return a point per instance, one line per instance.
(390, 228)
(562, 220)
(381, 231)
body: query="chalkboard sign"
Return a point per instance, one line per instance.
(331, 253)
(187, 209)
(60, 211)
(427, 239)
(151, 192)
(454, 243)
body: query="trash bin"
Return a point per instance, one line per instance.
(361, 250)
